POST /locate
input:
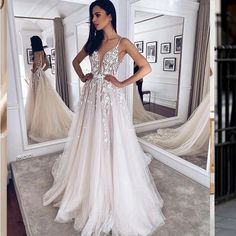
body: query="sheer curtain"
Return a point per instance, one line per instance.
(201, 67)
(61, 73)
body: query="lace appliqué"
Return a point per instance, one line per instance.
(104, 89)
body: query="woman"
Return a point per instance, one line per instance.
(47, 116)
(102, 179)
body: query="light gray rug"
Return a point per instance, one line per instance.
(186, 203)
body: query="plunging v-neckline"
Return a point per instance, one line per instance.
(101, 59)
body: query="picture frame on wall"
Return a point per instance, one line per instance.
(169, 64)
(53, 54)
(139, 45)
(49, 61)
(53, 69)
(151, 52)
(30, 55)
(177, 44)
(165, 48)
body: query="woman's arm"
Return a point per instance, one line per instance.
(76, 64)
(46, 63)
(140, 60)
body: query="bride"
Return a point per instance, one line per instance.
(47, 116)
(102, 180)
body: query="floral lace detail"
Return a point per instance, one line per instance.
(102, 89)
(109, 64)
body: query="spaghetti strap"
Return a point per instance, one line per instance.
(118, 42)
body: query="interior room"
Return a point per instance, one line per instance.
(169, 108)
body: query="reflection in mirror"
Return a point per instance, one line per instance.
(159, 38)
(47, 115)
(190, 140)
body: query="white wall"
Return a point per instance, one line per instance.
(162, 84)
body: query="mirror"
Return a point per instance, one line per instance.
(166, 38)
(158, 38)
(38, 20)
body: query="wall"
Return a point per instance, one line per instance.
(162, 84)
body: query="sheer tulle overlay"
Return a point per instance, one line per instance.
(191, 138)
(47, 116)
(102, 180)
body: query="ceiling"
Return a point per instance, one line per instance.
(54, 8)
(141, 16)
(45, 9)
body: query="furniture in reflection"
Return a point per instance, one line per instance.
(147, 92)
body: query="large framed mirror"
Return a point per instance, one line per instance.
(164, 32)
(36, 18)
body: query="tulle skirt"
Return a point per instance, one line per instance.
(47, 116)
(102, 180)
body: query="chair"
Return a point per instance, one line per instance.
(148, 92)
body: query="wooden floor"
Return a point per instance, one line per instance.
(161, 110)
(15, 225)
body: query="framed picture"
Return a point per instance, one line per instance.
(169, 64)
(178, 44)
(139, 45)
(151, 52)
(53, 54)
(30, 55)
(53, 68)
(165, 48)
(49, 61)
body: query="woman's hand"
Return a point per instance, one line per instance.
(88, 76)
(114, 81)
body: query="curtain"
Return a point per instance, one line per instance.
(3, 120)
(61, 73)
(201, 66)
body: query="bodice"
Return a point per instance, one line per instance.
(109, 64)
(39, 63)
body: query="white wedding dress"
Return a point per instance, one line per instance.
(47, 116)
(102, 180)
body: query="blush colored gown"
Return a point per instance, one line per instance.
(47, 116)
(102, 180)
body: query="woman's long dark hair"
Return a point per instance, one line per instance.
(95, 37)
(36, 44)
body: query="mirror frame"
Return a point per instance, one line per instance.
(189, 11)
